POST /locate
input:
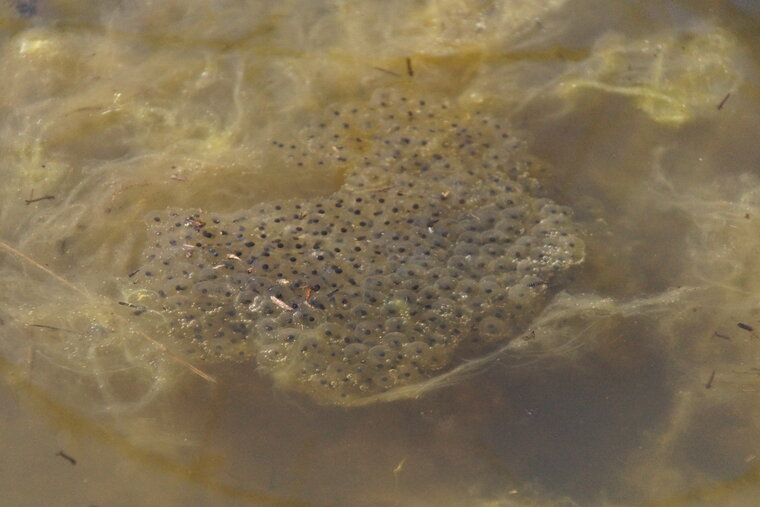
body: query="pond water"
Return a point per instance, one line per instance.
(562, 309)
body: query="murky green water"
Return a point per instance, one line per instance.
(630, 378)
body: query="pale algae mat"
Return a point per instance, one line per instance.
(437, 249)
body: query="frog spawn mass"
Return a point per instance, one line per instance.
(436, 249)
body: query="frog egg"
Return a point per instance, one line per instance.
(368, 329)
(417, 353)
(355, 351)
(466, 288)
(379, 356)
(383, 380)
(266, 326)
(309, 344)
(446, 283)
(336, 374)
(406, 374)
(272, 355)
(176, 302)
(492, 327)
(373, 297)
(521, 294)
(330, 332)
(394, 324)
(444, 306)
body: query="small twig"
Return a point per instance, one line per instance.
(67, 457)
(52, 328)
(409, 69)
(39, 266)
(373, 189)
(43, 198)
(307, 299)
(400, 467)
(387, 71)
(163, 348)
(710, 380)
(279, 302)
(723, 102)
(397, 471)
(196, 223)
(139, 310)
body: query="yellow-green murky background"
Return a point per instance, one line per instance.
(647, 114)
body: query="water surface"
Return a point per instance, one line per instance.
(638, 380)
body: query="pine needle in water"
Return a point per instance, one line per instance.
(163, 348)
